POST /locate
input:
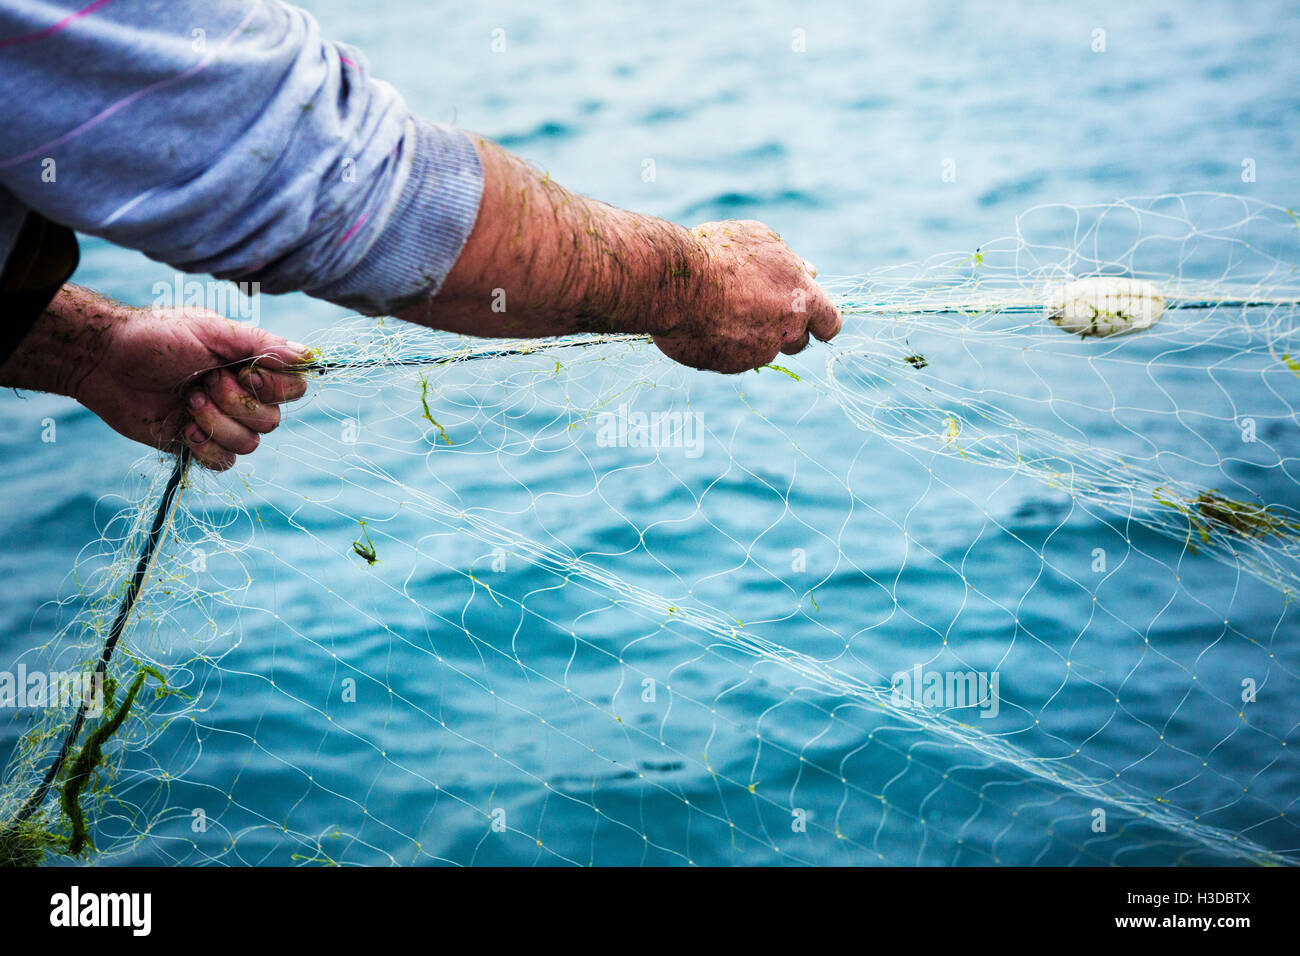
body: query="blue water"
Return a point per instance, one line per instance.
(841, 149)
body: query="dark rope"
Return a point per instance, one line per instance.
(114, 635)
(330, 365)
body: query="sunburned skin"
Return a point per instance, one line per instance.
(543, 261)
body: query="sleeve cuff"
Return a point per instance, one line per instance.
(426, 231)
(43, 258)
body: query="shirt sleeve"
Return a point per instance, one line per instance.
(229, 137)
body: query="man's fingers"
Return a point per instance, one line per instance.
(796, 346)
(220, 427)
(229, 411)
(238, 403)
(272, 388)
(824, 319)
(206, 452)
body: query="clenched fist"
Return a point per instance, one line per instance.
(756, 298)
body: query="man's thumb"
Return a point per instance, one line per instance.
(243, 343)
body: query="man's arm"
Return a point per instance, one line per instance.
(725, 296)
(309, 174)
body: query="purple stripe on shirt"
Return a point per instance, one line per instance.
(126, 101)
(51, 30)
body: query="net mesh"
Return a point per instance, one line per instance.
(960, 588)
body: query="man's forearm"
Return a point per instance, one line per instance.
(64, 345)
(544, 261)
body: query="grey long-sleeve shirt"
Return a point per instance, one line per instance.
(228, 137)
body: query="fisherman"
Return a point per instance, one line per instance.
(228, 137)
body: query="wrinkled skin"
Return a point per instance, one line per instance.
(758, 299)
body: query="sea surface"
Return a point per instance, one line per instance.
(866, 134)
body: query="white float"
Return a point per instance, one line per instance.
(1105, 305)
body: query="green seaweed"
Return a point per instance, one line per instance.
(26, 843)
(92, 755)
(780, 368)
(951, 429)
(1212, 512)
(428, 415)
(1194, 523)
(366, 550)
(1243, 518)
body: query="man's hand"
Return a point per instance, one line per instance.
(162, 377)
(757, 299)
(154, 383)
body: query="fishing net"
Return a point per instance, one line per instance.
(1004, 574)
